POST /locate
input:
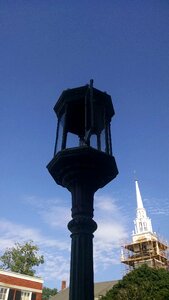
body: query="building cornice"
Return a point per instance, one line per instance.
(21, 276)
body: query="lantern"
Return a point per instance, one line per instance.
(84, 116)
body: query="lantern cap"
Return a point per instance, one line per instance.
(79, 94)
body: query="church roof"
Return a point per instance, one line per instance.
(100, 289)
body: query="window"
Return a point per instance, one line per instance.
(11, 294)
(3, 293)
(18, 295)
(33, 296)
(141, 226)
(25, 295)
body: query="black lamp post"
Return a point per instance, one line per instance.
(83, 163)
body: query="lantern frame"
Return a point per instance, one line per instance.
(84, 114)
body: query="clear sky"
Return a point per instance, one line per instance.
(48, 46)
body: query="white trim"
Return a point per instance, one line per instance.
(18, 287)
(7, 291)
(30, 295)
(24, 291)
(18, 275)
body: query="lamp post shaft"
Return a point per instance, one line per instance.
(81, 269)
(82, 227)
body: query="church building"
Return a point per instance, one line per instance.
(145, 246)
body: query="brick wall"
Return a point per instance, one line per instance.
(15, 283)
(20, 282)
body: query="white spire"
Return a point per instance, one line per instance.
(142, 222)
(138, 196)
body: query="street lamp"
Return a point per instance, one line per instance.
(83, 163)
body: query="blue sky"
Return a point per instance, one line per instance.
(48, 46)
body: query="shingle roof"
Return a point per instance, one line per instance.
(62, 295)
(100, 289)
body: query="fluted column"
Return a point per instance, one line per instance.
(81, 270)
(82, 227)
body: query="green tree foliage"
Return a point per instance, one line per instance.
(47, 292)
(22, 258)
(143, 283)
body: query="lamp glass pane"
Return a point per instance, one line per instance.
(72, 140)
(103, 141)
(60, 133)
(93, 141)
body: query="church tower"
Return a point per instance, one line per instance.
(145, 247)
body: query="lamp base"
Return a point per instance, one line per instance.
(84, 164)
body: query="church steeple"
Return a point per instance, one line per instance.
(142, 222)
(145, 247)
